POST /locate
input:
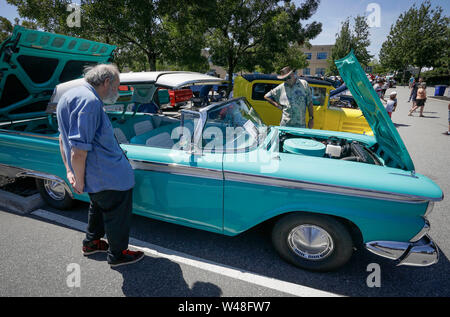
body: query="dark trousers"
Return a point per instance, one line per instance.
(110, 213)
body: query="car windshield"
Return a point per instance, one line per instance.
(231, 126)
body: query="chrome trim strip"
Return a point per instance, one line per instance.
(324, 188)
(40, 136)
(177, 169)
(13, 172)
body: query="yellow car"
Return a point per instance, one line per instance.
(328, 115)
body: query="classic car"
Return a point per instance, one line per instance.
(221, 169)
(341, 97)
(326, 116)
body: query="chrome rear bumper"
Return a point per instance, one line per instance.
(422, 252)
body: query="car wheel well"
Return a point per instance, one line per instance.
(352, 228)
(60, 198)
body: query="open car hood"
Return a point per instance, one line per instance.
(388, 138)
(33, 62)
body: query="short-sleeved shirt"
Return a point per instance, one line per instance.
(83, 124)
(378, 90)
(390, 105)
(294, 101)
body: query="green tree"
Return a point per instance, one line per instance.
(245, 34)
(391, 52)
(160, 30)
(7, 27)
(419, 38)
(361, 40)
(164, 30)
(48, 15)
(348, 39)
(294, 57)
(377, 68)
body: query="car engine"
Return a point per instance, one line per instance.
(331, 147)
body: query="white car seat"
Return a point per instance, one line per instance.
(120, 136)
(143, 127)
(162, 140)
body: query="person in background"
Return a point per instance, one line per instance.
(413, 95)
(292, 97)
(384, 87)
(378, 88)
(391, 105)
(421, 97)
(412, 81)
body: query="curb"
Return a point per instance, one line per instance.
(20, 204)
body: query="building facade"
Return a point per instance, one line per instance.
(317, 57)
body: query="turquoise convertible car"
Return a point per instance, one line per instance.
(220, 169)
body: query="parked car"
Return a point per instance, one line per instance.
(222, 169)
(255, 86)
(342, 98)
(180, 97)
(206, 94)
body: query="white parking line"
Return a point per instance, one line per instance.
(207, 265)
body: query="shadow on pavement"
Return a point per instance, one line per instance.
(161, 277)
(252, 251)
(400, 125)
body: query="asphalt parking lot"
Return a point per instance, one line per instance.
(41, 251)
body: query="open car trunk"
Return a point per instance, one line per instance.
(33, 62)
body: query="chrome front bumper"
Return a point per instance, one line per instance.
(422, 252)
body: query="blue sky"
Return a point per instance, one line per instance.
(331, 13)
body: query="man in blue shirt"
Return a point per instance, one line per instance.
(96, 164)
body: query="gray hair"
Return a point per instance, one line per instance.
(97, 75)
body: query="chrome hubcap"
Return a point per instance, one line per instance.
(54, 189)
(310, 242)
